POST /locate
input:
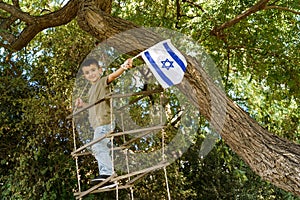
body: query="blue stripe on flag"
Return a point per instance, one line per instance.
(157, 69)
(174, 56)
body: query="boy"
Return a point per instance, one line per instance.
(100, 114)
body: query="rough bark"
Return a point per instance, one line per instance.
(273, 158)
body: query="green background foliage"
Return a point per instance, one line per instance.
(259, 62)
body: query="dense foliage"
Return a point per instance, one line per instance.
(259, 62)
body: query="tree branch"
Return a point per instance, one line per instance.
(35, 24)
(261, 5)
(10, 20)
(282, 8)
(16, 12)
(217, 31)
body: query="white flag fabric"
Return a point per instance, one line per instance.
(166, 63)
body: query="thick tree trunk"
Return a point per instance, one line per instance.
(273, 158)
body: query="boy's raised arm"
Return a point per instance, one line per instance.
(127, 65)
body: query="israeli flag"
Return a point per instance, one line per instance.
(166, 63)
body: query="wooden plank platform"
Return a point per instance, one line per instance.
(139, 174)
(111, 134)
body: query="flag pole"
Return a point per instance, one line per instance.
(137, 56)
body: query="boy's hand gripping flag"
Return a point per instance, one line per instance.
(166, 63)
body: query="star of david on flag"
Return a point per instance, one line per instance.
(166, 63)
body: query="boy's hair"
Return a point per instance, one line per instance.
(89, 61)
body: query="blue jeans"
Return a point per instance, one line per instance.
(101, 150)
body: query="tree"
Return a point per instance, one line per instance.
(273, 158)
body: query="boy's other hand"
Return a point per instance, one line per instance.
(79, 103)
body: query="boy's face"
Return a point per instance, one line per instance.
(92, 72)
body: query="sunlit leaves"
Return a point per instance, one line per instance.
(147, 13)
(38, 8)
(34, 107)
